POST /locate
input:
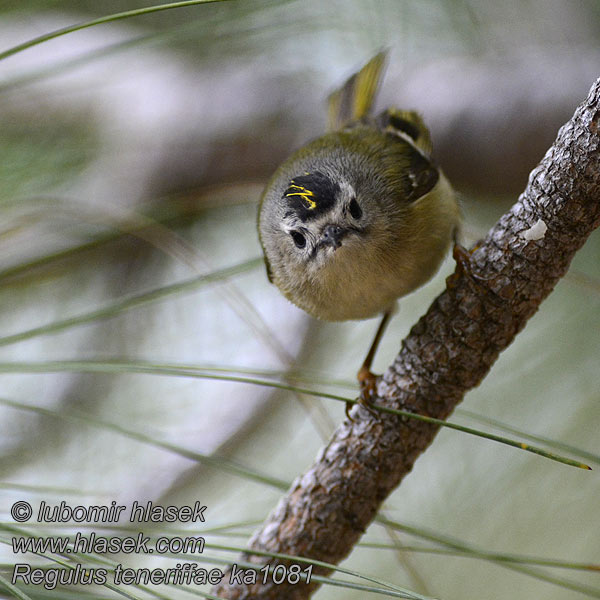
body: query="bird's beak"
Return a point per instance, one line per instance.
(332, 236)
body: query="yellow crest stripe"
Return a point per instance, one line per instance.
(306, 195)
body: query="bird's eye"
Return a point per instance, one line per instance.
(355, 209)
(298, 238)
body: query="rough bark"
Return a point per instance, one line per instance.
(448, 352)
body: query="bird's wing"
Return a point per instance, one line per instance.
(407, 124)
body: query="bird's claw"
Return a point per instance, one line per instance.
(464, 267)
(368, 390)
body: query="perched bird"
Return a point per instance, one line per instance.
(360, 216)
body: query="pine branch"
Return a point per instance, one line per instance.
(487, 301)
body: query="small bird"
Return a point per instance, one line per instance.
(360, 216)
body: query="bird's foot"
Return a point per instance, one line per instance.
(368, 390)
(464, 267)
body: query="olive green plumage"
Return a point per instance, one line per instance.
(360, 216)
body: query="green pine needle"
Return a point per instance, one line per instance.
(216, 462)
(177, 370)
(130, 302)
(15, 591)
(101, 20)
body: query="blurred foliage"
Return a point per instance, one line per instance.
(40, 152)
(132, 156)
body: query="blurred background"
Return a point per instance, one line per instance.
(132, 158)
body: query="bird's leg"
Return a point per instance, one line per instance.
(367, 379)
(364, 375)
(462, 256)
